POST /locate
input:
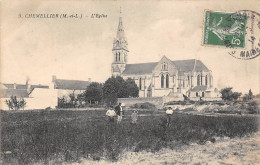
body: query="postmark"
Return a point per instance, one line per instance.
(238, 31)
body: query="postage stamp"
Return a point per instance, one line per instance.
(224, 29)
(238, 31)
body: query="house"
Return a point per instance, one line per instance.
(35, 96)
(67, 87)
(166, 77)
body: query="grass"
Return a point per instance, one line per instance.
(68, 136)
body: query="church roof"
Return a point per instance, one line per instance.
(181, 65)
(141, 68)
(71, 84)
(189, 65)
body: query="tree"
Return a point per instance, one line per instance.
(73, 99)
(227, 94)
(235, 95)
(132, 88)
(110, 90)
(15, 104)
(93, 93)
(117, 87)
(250, 95)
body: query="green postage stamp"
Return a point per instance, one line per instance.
(224, 29)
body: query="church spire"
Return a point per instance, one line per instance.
(120, 50)
(120, 29)
(120, 42)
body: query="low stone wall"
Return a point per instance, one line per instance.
(205, 98)
(157, 101)
(160, 101)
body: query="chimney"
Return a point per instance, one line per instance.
(28, 85)
(89, 79)
(53, 78)
(14, 85)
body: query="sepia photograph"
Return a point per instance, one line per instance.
(115, 82)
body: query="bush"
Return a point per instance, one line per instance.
(145, 105)
(15, 103)
(253, 107)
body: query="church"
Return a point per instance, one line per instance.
(165, 77)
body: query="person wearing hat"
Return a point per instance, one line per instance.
(111, 114)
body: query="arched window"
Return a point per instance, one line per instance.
(206, 80)
(197, 94)
(198, 80)
(140, 83)
(167, 81)
(165, 66)
(162, 81)
(202, 94)
(118, 56)
(201, 80)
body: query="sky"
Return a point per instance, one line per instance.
(79, 49)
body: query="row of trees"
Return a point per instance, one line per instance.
(229, 95)
(98, 93)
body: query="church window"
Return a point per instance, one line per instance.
(202, 94)
(206, 80)
(197, 94)
(167, 81)
(140, 83)
(198, 80)
(118, 56)
(201, 82)
(162, 81)
(164, 66)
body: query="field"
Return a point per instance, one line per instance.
(58, 136)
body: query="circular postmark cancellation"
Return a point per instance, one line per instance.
(238, 31)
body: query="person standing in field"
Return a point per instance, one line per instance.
(134, 117)
(111, 114)
(119, 113)
(169, 112)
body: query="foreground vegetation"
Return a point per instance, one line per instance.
(43, 136)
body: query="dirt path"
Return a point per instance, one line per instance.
(224, 151)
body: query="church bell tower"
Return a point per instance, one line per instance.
(120, 50)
